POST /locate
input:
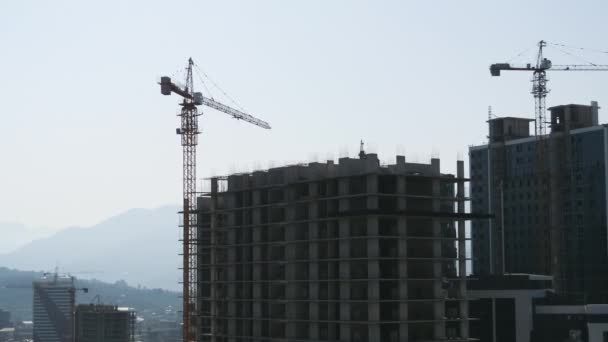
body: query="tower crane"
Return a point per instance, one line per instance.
(539, 91)
(539, 81)
(189, 132)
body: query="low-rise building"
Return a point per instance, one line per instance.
(104, 323)
(24, 331)
(7, 334)
(501, 306)
(571, 323)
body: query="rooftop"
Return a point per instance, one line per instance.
(510, 281)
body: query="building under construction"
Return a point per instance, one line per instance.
(348, 251)
(549, 206)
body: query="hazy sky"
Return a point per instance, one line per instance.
(86, 134)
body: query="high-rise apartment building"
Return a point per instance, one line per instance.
(354, 251)
(53, 309)
(104, 323)
(547, 196)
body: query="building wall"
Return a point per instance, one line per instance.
(324, 252)
(505, 182)
(53, 309)
(482, 231)
(103, 323)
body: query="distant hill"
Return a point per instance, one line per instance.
(139, 246)
(16, 296)
(15, 235)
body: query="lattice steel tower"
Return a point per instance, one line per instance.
(189, 139)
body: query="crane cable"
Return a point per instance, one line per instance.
(204, 84)
(519, 54)
(578, 48)
(573, 55)
(199, 71)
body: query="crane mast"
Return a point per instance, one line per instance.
(189, 139)
(189, 132)
(548, 262)
(539, 81)
(540, 91)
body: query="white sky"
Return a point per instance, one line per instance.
(86, 134)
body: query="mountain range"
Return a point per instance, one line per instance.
(139, 246)
(15, 235)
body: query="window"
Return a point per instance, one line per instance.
(358, 248)
(358, 290)
(388, 227)
(358, 227)
(358, 185)
(358, 312)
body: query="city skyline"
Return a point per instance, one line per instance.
(394, 189)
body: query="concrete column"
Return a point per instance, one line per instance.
(373, 273)
(232, 323)
(333, 310)
(438, 292)
(344, 264)
(401, 201)
(313, 269)
(343, 189)
(212, 277)
(231, 271)
(372, 190)
(403, 275)
(290, 268)
(436, 165)
(462, 261)
(345, 279)
(494, 339)
(257, 266)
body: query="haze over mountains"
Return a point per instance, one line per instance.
(139, 246)
(15, 235)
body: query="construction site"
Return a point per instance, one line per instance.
(360, 251)
(352, 251)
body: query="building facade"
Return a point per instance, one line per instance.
(53, 309)
(104, 323)
(547, 197)
(353, 251)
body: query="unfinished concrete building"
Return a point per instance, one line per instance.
(354, 251)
